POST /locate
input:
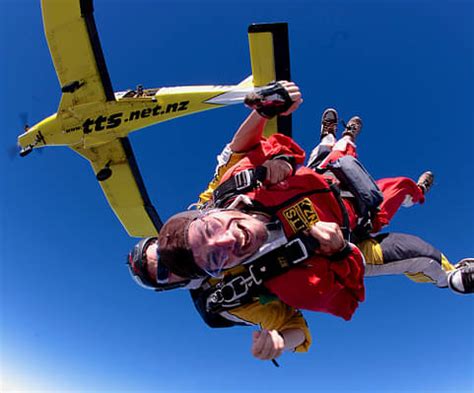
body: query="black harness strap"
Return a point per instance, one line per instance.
(236, 290)
(250, 179)
(345, 228)
(240, 183)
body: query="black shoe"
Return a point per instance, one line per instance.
(329, 122)
(425, 181)
(461, 280)
(353, 127)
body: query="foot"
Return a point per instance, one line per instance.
(353, 127)
(461, 280)
(329, 123)
(425, 181)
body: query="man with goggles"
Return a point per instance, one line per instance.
(220, 240)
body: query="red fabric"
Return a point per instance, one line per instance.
(336, 154)
(319, 284)
(342, 148)
(335, 288)
(395, 190)
(268, 148)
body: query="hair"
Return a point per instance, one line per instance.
(175, 252)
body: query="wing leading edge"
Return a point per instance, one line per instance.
(80, 66)
(76, 52)
(124, 189)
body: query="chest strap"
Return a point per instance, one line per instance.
(236, 290)
(240, 183)
(345, 228)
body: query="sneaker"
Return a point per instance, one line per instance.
(461, 280)
(329, 122)
(353, 127)
(466, 262)
(425, 181)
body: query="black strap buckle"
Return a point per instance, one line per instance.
(244, 179)
(297, 250)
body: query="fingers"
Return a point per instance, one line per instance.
(268, 345)
(329, 235)
(277, 171)
(255, 335)
(295, 95)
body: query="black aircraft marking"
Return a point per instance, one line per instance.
(102, 122)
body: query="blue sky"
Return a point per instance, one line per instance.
(71, 318)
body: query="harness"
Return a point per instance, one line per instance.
(240, 183)
(355, 183)
(237, 289)
(250, 179)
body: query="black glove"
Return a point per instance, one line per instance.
(270, 101)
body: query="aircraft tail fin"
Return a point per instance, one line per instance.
(270, 60)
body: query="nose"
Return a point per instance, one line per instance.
(224, 240)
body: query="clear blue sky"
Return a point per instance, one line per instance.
(71, 318)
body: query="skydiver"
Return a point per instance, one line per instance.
(398, 191)
(140, 92)
(242, 232)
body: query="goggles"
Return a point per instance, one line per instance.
(217, 258)
(216, 261)
(137, 264)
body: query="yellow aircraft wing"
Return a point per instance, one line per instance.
(124, 188)
(77, 55)
(79, 62)
(270, 59)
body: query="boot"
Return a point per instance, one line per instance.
(425, 181)
(329, 123)
(461, 280)
(353, 127)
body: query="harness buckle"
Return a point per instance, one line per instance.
(294, 247)
(231, 292)
(244, 179)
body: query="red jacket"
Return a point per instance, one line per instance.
(319, 284)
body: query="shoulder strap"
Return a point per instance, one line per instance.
(240, 183)
(236, 290)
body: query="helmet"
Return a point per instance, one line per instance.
(137, 264)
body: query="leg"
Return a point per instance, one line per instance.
(398, 253)
(397, 191)
(327, 138)
(346, 145)
(329, 149)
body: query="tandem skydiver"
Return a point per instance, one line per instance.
(295, 217)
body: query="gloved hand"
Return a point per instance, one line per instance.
(280, 98)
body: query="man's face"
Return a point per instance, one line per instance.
(222, 239)
(152, 259)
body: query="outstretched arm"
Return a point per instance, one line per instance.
(247, 137)
(250, 132)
